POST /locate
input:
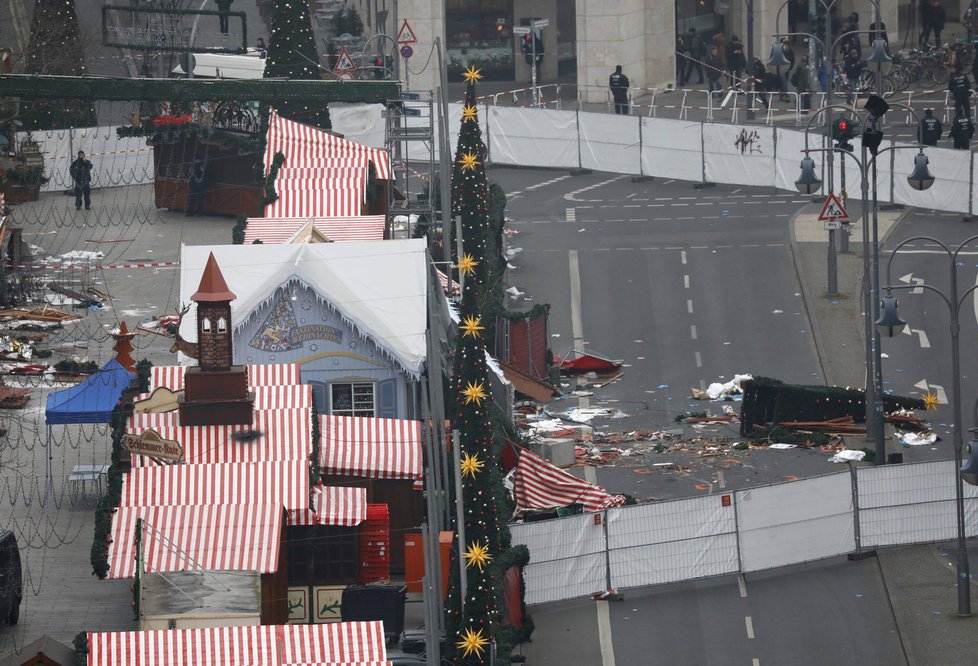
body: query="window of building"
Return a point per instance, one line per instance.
(222, 325)
(205, 325)
(474, 38)
(352, 399)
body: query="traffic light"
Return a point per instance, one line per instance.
(380, 72)
(500, 26)
(539, 47)
(526, 46)
(842, 132)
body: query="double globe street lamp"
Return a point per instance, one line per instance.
(889, 324)
(919, 179)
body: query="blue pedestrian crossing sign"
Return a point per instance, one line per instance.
(833, 211)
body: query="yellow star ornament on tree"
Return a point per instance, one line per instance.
(472, 642)
(469, 114)
(474, 393)
(930, 401)
(467, 264)
(471, 75)
(477, 555)
(471, 326)
(469, 161)
(471, 465)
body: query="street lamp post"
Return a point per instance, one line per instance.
(890, 323)
(920, 179)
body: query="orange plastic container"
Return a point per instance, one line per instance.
(414, 560)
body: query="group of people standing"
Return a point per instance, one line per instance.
(962, 126)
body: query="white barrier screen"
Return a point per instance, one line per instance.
(532, 137)
(115, 161)
(675, 561)
(610, 143)
(672, 149)
(739, 154)
(795, 522)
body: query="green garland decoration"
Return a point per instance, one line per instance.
(238, 231)
(144, 369)
(314, 456)
(158, 133)
(270, 196)
(80, 644)
(107, 506)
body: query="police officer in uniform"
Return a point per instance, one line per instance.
(618, 83)
(959, 86)
(930, 129)
(962, 129)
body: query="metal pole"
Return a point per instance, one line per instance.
(750, 57)
(432, 595)
(459, 251)
(445, 161)
(833, 265)
(843, 230)
(964, 576)
(869, 322)
(607, 554)
(854, 485)
(878, 424)
(459, 512)
(533, 68)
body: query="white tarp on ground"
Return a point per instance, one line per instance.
(739, 152)
(115, 161)
(795, 522)
(671, 541)
(672, 149)
(610, 143)
(901, 504)
(532, 138)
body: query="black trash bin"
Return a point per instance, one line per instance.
(376, 602)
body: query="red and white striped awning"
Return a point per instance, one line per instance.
(334, 505)
(306, 146)
(270, 374)
(285, 435)
(452, 290)
(540, 485)
(284, 482)
(371, 447)
(292, 396)
(336, 644)
(337, 229)
(225, 537)
(297, 199)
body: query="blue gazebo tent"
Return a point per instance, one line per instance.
(90, 401)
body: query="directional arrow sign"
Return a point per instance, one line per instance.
(936, 389)
(910, 279)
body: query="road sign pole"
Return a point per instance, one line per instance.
(833, 266)
(533, 70)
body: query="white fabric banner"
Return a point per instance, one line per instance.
(739, 155)
(950, 169)
(560, 538)
(611, 143)
(671, 562)
(114, 161)
(672, 149)
(564, 579)
(795, 522)
(678, 520)
(532, 137)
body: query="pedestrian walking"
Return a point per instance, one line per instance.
(196, 188)
(789, 55)
(937, 18)
(959, 86)
(801, 79)
(81, 174)
(261, 48)
(764, 81)
(930, 129)
(695, 50)
(681, 58)
(736, 60)
(720, 44)
(223, 7)
(877, 30)
(925, 11)
(962, 129)
(714, 70)
(853, 67)
(618, 83)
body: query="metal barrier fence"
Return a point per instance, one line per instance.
(743, 531)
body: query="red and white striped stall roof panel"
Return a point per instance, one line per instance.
(269, 374)
(266, 645)
(540, 485)
(316, 202)
(333, 505)
(340, 643)
(284, 482)
(371, 447)
(338, 229)
(285, 434)
(292, 396)
(339, 169)
(228, 537)
(305, 146)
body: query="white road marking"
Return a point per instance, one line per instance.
(577, 325)
(699, 360)
(742, 584)
(686, 282)
(570, 196)
(750, 626)
(571, 214)
(689, 306)
(682, 257)
(721, 482)
(604, 634)
(692, 331)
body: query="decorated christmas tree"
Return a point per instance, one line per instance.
(292, 55)
(475, 619)
(55, 47)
